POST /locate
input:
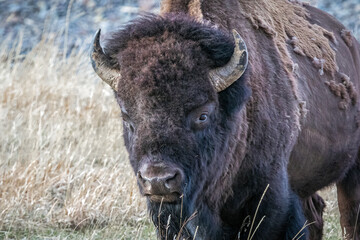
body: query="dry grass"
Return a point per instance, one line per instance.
(62, 160)
(332, 229)
(64, 173)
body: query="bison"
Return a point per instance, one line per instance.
(235, 113)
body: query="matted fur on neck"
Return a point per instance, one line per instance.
(286, 21)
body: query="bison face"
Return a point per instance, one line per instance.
(171, 78)
(172, 158)
(172, 144)
(171, 115)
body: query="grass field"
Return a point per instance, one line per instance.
(63, 169)
(64, 173)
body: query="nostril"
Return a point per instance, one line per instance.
(170, 178)
(172, 182)
(159, 179)
(144, 183)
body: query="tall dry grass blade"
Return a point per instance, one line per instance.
(356, 222)
(300, 236)
(302, 228)
(196, 230)
(257, 226)
(181, 208)
(167, 226)
(256, 211)
(185, 223)
(159, 214)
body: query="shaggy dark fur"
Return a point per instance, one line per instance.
(217, 45)
(269, 127)
(179, 53)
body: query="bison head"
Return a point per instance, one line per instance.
(171, 77)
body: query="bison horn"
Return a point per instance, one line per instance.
(102, 63)
(223, 77)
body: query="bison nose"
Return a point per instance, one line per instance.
(160, 180)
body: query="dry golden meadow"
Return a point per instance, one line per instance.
(64, 172)
(63, 168)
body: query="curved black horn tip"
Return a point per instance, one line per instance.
(96, 41)
(96, 49)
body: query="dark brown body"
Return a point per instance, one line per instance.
(324, 148)
(298, 131)
(328, 141)
(327, 149)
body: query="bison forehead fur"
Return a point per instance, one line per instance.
(178, 53)
(216, 162)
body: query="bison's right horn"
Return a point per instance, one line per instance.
(223, 77)
(102, 64)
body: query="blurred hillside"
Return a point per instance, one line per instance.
(78, 20)
(346, 11)
(81, 18)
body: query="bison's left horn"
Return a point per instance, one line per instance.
(223, 77)
(102, 64)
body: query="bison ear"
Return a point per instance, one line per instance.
(222, 77)
(102, 65)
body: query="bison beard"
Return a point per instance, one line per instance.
(243, 160)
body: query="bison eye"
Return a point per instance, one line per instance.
(199, 117)
(201, 121)
(203, 117)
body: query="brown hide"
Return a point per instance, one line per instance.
(305, 115)
(329, 138)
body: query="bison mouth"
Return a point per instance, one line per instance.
(169, 198)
